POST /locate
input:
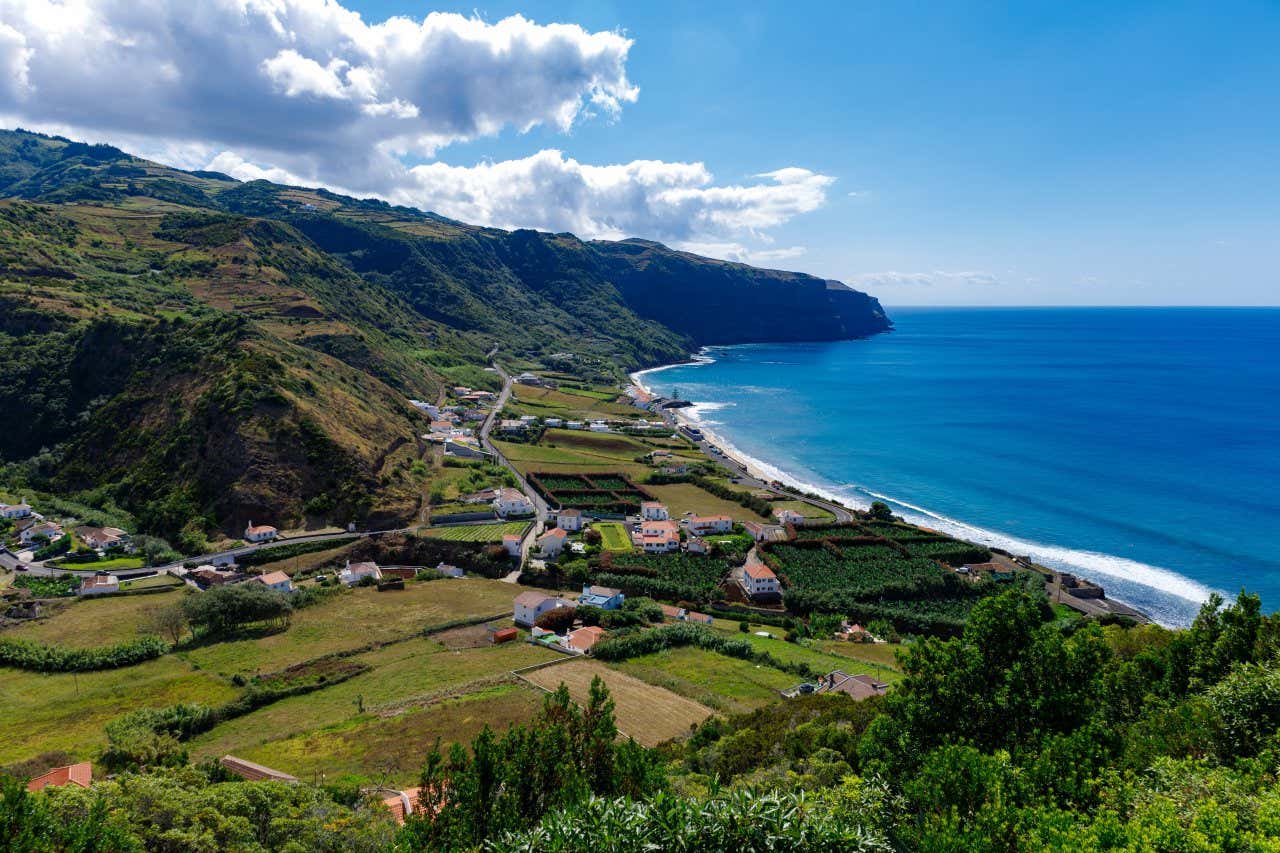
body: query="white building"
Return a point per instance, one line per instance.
(697, 545)
(569, 520)
(449, 571)
(278, 581)
(101, 583)
(511, 542)
(529, 605)
(512, 502)
(551, 543)
(701, 525)
(785, 515)
(598, 426)
(574, 425)
(553, 422)
(654, 511)
(44, 530)
(356, 572)
(659, 537)
(18, 510)
(260, 533)
(758, 579)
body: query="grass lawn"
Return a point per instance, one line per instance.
(114, 564)
(876, 654)
(153, 582)
(404, 677)
(394, 748)
(726, 685)
(686, 497)
(650, 714)
(613, 535)
(355, 619)
(306, 562)
(43, 713)
(476, 532)
(87, 622)
(808, 510)
(570, 404)
(819, 658)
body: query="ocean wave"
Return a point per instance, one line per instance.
(701, 357)
(1088, 564)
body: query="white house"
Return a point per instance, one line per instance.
(659, 537)
(758, 579)
(102, 538)
(697, 545)
(18, 510)
(278, 581)
(449, 571)
(598, 426)
(654, 511)
(511, 542)
(583, 640)
(45, 529)
(553, 422)
(551, 543)
(574, 425)
(356, 572)
(260, 533)
(785, 515)
(764, 532)
(512, 425)
(529, 605)
(512, 502)
(100, 584)
(569, 520)
(701, 525)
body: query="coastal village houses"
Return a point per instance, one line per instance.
(100, 583)
(701, 525)
(511, 543)
(529, 605)
(584, 640)
(512, 502)
(569, 520)
(260, 533)
(278, 581)
(604, 597)
(356, 572)
(653, 511)
(103, 538)
(19, 510)
(786, 515)
(45, 530)
(763, 532)
(659, 537)
(758, 580)
(551, 543)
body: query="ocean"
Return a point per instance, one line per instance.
(1139, 447)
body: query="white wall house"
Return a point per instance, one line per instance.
(18, 510)
(551, 543)
(278, 581)
(260, 533)
(512, 502)
(701, 525)
(44, 530)
(356, 572)
(758, 579)
(654, 511)
(659, 536)
(569, 520)
(102, 583)
(511, 542)
(786, 515)
(528, 606)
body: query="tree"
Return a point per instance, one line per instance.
(557, 620)
(880, 511)
(169, 621)
(226, 608)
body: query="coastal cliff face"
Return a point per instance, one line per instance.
(191, 348)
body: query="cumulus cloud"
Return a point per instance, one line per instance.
(937, 278)
(308, 92)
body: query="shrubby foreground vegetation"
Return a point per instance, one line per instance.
(1021, 733)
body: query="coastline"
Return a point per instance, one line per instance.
(1055, 558)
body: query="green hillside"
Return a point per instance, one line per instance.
(198, 352)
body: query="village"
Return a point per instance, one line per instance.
(571, 532)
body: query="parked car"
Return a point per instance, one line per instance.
(21, 567)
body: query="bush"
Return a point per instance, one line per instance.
(37, 657)
(558, 620)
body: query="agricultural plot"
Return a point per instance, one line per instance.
(568, 403)
(725, 685)
(687, 497)
(613, 535)
(90, 622)
(670, 577)
(650, 714)
(606, 492)
(860, 570)
(476, 532)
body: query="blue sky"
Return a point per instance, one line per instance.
(953, 153)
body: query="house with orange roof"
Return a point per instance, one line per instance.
(584, 640)
(786, 515)
(72, 774)
(758, 580)
(402, 804)
(278, 581)
(511, 542)
(252, 772)
(701, 525)
(654, 511)
(100, 583)
(569, 519)
(551, 543)
(260, 532)
(659, 537)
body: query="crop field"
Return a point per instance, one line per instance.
(670, 577)
(394, 747)
(614, 535)
(723, 684)
(650, 714)
(89, 622)
(353, 620)
(604, 492)
(860, 570)
(876, 654)
(571, 404)
(809, 511)
(687, 497)
(476, 532)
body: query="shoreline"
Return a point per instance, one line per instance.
(1051, 557)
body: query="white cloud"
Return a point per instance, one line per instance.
(307, 92)
(740, 253)
(937, 278)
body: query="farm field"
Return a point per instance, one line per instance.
(667, 577)
(571, 404)
(648, 713)
(114, 564)
(305, 562)
(476, 532)
(354, 619)
(725, 685)
(883, 654)
(816, 513)
(153, 582)
(819, 658)
(681, 498)
(614, 535)
(66, 712)
(88, 622)
(394, 747)
(403, 677)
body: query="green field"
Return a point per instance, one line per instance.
(88, 622)
(476, 532)
(726, 685)
(816, 513)
(614, 535)
(686, 497)
(570, 404)
(114, 564)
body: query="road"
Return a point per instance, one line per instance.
(540, 508)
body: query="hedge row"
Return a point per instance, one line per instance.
(290, 550)
(37, 657)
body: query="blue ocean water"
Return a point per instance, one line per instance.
(1138, 447)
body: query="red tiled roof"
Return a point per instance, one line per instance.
(261, 528)
(397, 802)
(759, 571)
(586, 638)
(272, 578)
(73, 774)
(254, 772)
